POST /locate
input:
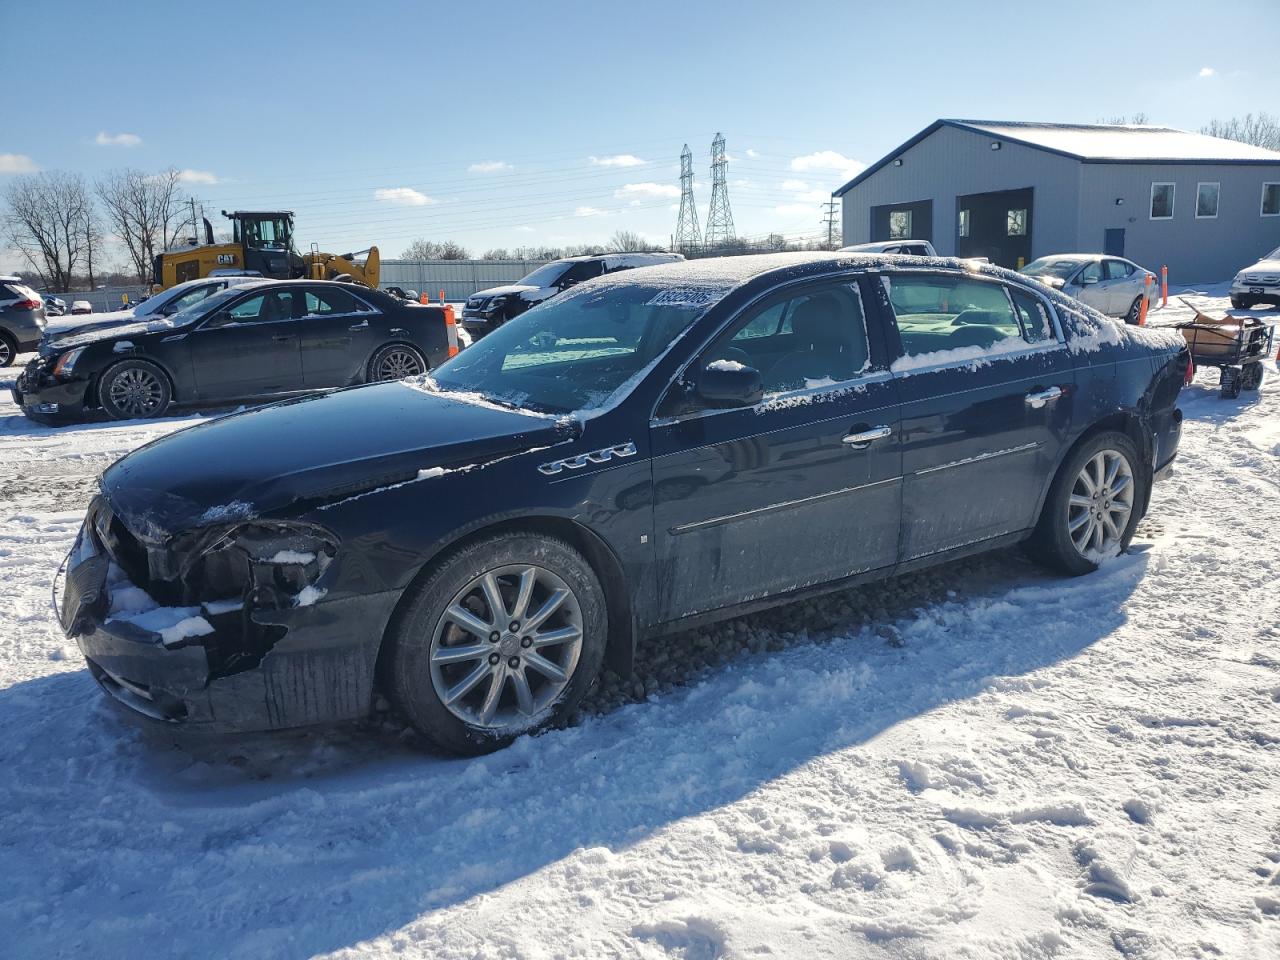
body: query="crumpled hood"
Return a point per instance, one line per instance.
(510, 288)
(69, 325)
(309, 451)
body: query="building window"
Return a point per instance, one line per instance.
(1271, 199)
(962, 223)
(1016, 223)
(1207, 201)
(1162, 201)
(899, 224)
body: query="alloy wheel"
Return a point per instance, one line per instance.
(506, 648)
(136, 391)
(398, 364)
(1101, 504)
(6, 354)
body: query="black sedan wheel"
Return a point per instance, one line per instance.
(503, 637)
(395, 362)
(1093, 506)
(134, 390)
(8, 350)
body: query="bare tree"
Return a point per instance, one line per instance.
(1137, 120)
(628, 241)
(422, 249)
(1261, 131)
(46, 221)
(145, 211)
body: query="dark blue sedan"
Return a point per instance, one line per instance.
(648, 452)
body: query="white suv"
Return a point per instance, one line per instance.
(1259, 283)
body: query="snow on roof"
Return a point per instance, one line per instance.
(1094, 143)
(1121, 141)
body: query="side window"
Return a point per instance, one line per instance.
(191, 298)
(1032, 315)
(584, 270)
(1092, 272)
(817, 338)
(1117, 269)
(937, 313)
(319, 303)
(264, 308)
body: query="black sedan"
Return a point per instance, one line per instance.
(251, 340)
(643, 454)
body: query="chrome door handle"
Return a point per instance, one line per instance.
(1037, 400)
(362, 325)
(866, 437)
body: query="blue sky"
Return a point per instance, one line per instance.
(501, 124)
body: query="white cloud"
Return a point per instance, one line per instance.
(825, 160)
(104, 139)
(525, 230)
(589, 212)
(406, 196)
(17, 163)
(796, 209)
(618, 160)
(792, 186)
(751, 154)
(1207, 71)
(636, 190)
(197, 176)
(489, 166)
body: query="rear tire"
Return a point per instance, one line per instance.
(471, 693)
(1072, 510)
(134, 390)
(8, 349)
(1230, 384)
(1252, 375)
(396, 361)
(1135, 311)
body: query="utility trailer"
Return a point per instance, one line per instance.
(1235, 345)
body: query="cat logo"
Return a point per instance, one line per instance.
(226, 258)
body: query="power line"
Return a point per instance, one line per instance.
(830, 221)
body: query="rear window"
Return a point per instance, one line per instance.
(18, 291)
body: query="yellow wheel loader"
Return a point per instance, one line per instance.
(262, 242)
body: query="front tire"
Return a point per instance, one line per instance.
(134, 390)
(1093, 507)
(1240, 303)
(396, 361)
(503, 637)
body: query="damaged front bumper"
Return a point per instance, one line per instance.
(43, 396)
(220, 665)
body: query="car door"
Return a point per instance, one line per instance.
(799, 489)
(1121, 285)
(249, 347)
(337, 333)
(986, 385)
(1091, 285)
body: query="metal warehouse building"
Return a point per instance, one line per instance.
(1013, 191)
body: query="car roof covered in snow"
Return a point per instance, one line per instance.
(1095, 143)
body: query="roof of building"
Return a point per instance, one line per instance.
(1096, 143)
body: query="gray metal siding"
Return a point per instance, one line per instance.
(952, 163)
(1196, 251)
(457, 278)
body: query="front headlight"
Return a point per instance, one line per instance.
(266, 564)
(67, 362)
(1239, 278)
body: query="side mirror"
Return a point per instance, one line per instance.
(727, 383)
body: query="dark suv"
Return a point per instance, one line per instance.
(21, 319)
(489, 309)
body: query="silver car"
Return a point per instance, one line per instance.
(1111, 285)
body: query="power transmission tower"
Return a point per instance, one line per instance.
(688, 234)
(830, 221)
(719, 217)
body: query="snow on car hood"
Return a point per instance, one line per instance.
(157, 325)
(69, 325)
(313, 449)
(507, 290)
(1263, 266)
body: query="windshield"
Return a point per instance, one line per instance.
(576, 351)
(1273, 255)
(204, 307)
(1049, 267)
(546, 275)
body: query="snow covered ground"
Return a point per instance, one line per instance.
(977, 761)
